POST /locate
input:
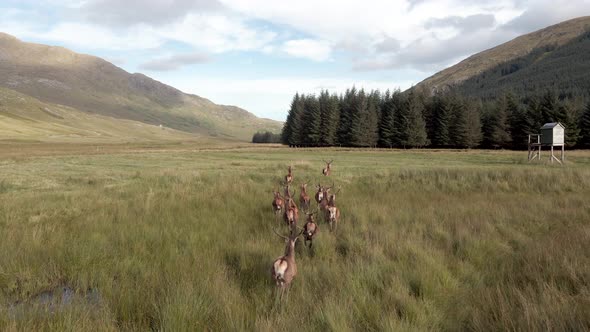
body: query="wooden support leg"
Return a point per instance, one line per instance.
(563, 153)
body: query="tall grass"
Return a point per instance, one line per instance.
(178, 241)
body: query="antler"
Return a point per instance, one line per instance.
(337, 190)
(301, 232)
(284, 237)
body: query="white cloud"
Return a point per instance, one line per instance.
(217, 33)
(175, 62)
(87, 36)
(95, 37)
(315, 50)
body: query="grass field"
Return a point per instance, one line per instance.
(179, 237)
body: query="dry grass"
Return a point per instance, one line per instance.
(176, 238)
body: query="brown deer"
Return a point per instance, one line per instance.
(289, 176)
(287, 191)
(291, 212)
(284, 268)
(323, 204)
(310, 230)
(304, 200)
(328, 168)
(277, 203)
(332, 213)
(319, 195)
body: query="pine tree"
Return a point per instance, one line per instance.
(441, 118)
(474, 134)
(458, 126)
(312, 120)
(386, 122)
(291, 133)
(572, 131)
(496, 129)
(347, 117)
(359, 110)
(400, 112)
(549, 107)
(534, 113)
(413, 126)
(329, 110)
(369, 125)
(585, 128)
(522, 123)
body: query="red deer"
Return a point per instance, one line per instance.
(304, 200)
(284, 268)
(291, 212)
(310, 230)
(328, 168)
(323, 204)
(289, 177)
(319, 195)
(277, 203)
(287, 191)
(332, 212)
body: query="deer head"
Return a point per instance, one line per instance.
(290, 240)
(304, 187)
(289, 176)
(287, 190)
(328, 168)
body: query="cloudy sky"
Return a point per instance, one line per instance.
(257, 53)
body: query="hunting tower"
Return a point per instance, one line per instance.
(552, 135)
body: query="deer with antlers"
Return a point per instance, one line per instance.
(326, 170)
(284, 268)
(291, 212)
(319, 195)
(289, 176)
(277, 203)
(332, 213)
(287, 191)
(310, 230)
(304, 200)
(323, 198)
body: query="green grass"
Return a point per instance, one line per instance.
(181, 239)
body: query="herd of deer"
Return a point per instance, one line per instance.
(284, 268)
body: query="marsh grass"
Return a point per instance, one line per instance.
(182, 240)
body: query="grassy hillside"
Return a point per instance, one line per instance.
(23, 118)
(92, 85)
(550, 37)
(182, 239)
(562, 68)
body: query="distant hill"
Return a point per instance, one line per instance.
(85, 83)
(556, 57)
(24, 118)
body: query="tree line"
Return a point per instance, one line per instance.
(415, 119)
(266, 137)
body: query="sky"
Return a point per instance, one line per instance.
(256, 54)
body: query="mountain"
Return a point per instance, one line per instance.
(88, 84)
(555, 57)
(24, 118)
